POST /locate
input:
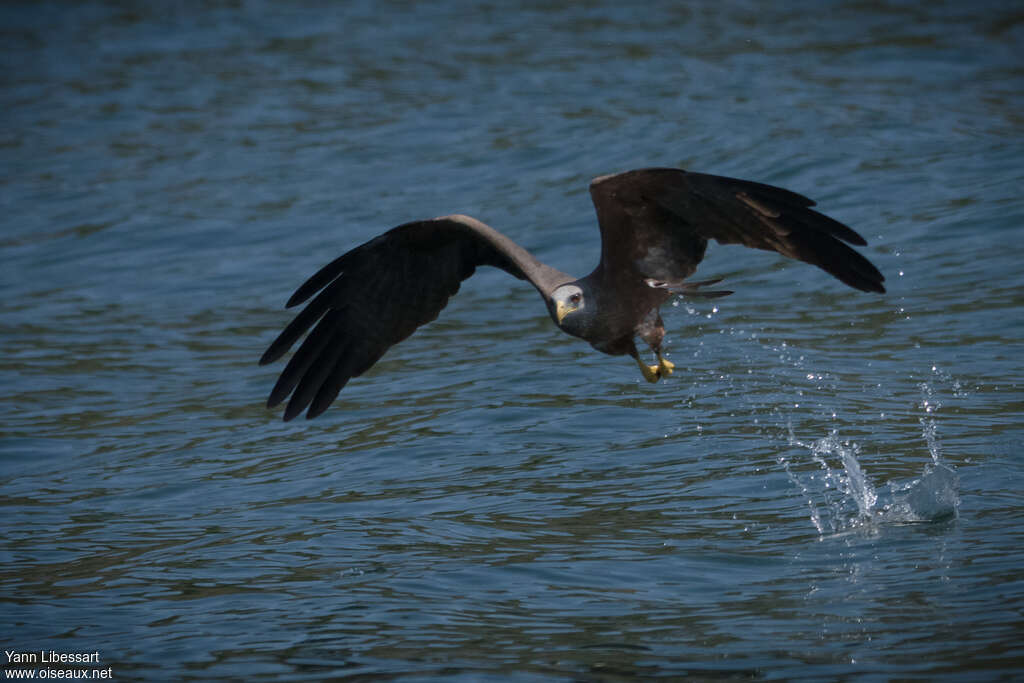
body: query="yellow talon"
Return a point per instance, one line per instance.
(652, 373)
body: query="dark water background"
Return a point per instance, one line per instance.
(829, 487)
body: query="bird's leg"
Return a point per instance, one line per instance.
(665, 366)
(652, 373)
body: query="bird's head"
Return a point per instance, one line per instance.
(572, 308)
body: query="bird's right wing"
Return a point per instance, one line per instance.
(376, 295)
(655, 223)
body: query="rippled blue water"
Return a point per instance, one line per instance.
(495, 500)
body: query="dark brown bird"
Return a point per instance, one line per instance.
(655, 225)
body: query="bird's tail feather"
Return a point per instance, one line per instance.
(690, 289)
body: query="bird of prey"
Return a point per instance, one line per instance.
(655, 225)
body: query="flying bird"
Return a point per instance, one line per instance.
(655, 225)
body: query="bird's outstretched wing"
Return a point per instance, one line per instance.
(655, 223)
(377, 294)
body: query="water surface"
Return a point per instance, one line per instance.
(829, 487)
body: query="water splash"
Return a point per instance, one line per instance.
(841, 496)
(934, 496)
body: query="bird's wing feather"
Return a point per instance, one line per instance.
(655, 223)
(377, 294)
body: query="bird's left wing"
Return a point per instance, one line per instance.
(656, 222)
(377, 294)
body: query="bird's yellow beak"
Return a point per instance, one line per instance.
(562, 310)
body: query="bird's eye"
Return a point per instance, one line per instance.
(575, 298)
